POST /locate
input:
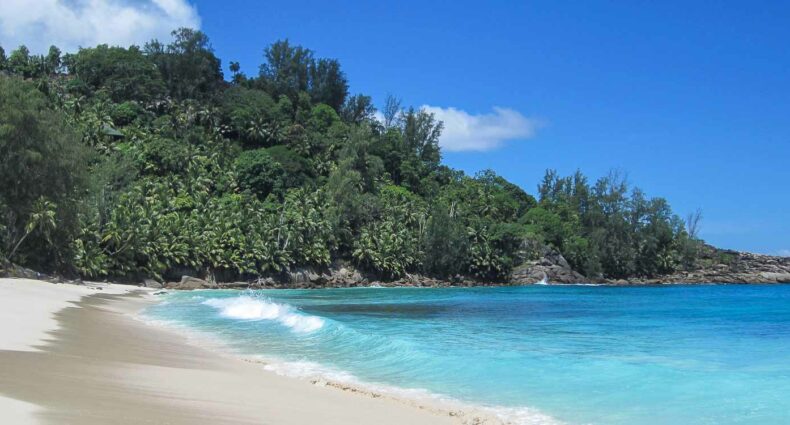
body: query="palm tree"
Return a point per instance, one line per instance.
(42, 218)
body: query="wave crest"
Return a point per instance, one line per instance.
(249, 308)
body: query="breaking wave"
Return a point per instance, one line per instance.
(250, 308)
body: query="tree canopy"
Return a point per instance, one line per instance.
(132, 162)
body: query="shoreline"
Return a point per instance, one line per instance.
(327, 377)
(725, 267)
(95, 362)
(243, 286)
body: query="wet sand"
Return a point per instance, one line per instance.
(85, 359)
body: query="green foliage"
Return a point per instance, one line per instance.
(125, 74)
(125, 113)
(258, 172)
(21, 63)
(290, 70)
(41, 220)
(42, 173)
(188, 65)
(164, 156)
(147, 163)
(548, 225)
(253, 116)
(605, 231)
(296, 168)
(390, 245)
(445, 245)
(358, 109)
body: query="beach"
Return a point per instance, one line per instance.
(101, 353)
(78, 354)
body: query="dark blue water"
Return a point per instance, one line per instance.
(604, 355)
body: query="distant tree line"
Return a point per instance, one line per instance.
(146, 161)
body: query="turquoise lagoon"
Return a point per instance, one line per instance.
(681, 354)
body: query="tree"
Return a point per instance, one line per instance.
(421, 134)
(253, 116)
(188, 64)
(238, 77)
(52, 62)
(392, 110)
(286, 69)
(43, 175)
(289, 70)
(328, 83)
(297, 171)
(258, 172)
(445, 245)
(147, 163)
(357, 109)
(390, 244)
(605, 231)
(20, 63)
(42, 219)
(693, 220)
(125, 74)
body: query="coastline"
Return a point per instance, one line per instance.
(718, 266)
(86, 359)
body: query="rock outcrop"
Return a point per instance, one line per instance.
(151, 283)
(190, 282)
(12, 270)
(551, 268)
(726, 266)
(343, 275)
(713, 266)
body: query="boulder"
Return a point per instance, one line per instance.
(234, 285)
(305, 277)
(552, 266)
(150, 283)
(189, 282)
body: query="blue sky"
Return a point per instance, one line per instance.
(691, 100)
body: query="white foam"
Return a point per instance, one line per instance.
(321, 373)
(308, 370)
(249, 308)
(522, 416)
(258, 308)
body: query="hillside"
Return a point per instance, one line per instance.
(146, 162)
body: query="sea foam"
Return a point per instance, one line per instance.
(327, 375)
(249, 308)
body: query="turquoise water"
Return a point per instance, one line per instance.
(575, 354)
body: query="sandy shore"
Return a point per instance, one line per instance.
(76, 355)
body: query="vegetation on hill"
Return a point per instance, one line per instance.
(146, 161)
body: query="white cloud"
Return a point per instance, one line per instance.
(70, 24)
(783, 253)
(468, 132)
(378, 116)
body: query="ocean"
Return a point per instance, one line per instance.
(679, 354)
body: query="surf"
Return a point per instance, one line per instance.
(256, 308)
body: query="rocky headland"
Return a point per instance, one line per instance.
(713, 266)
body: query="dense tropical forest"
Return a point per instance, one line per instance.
(148, 161)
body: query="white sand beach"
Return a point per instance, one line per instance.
(75, 354)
